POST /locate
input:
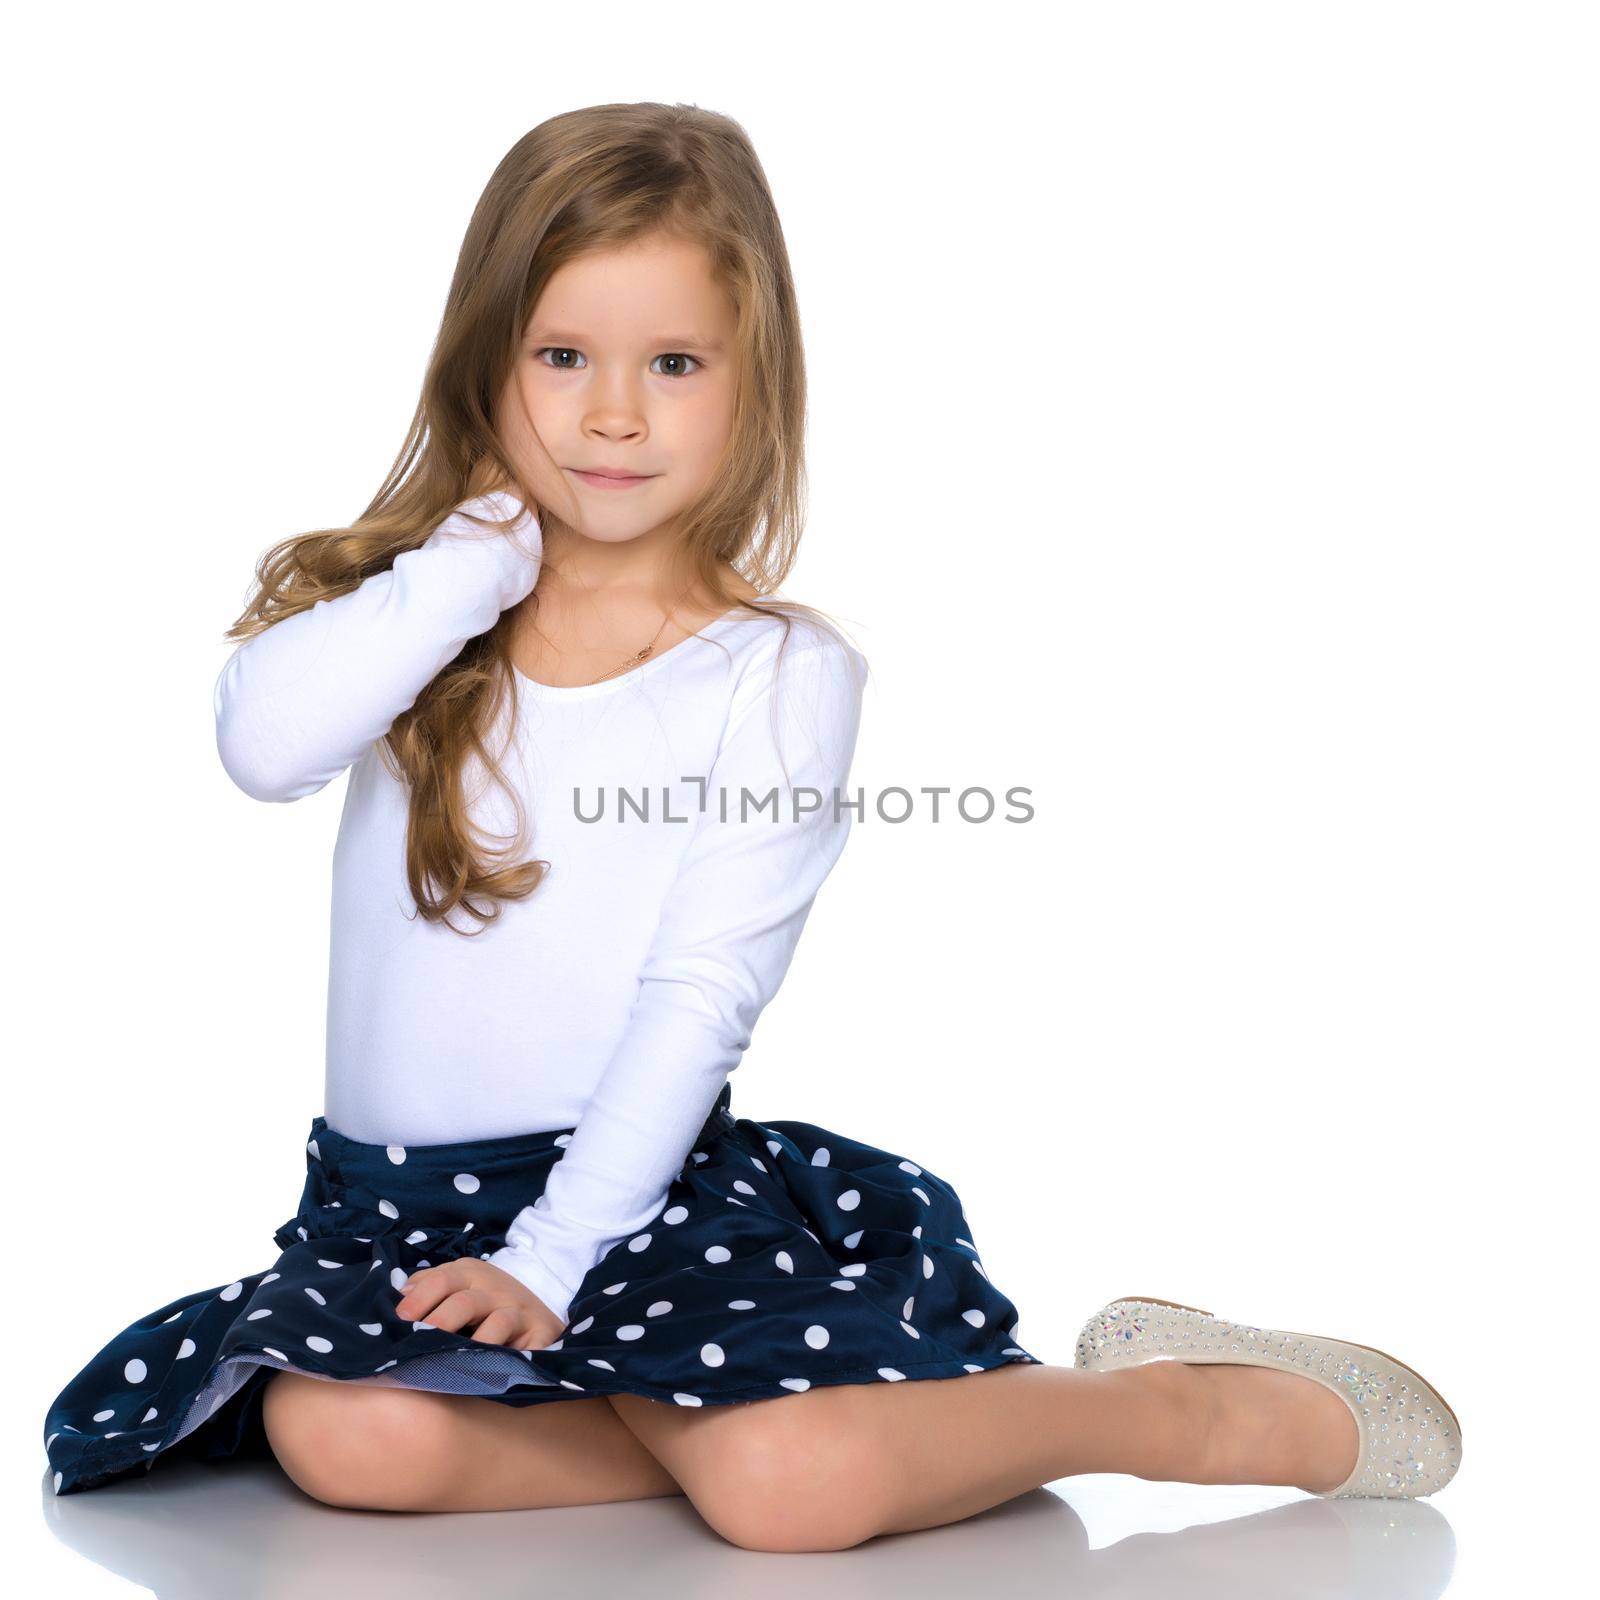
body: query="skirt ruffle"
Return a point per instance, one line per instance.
(784, 1256)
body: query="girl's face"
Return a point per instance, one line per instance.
(626, 366)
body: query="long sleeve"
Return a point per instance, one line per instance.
(727, 933)
(298, 703)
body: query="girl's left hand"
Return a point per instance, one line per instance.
(472, 1292)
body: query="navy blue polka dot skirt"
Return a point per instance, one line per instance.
(784, 1256)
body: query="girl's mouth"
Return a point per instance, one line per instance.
(598, 480)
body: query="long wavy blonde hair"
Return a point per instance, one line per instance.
(595, 178)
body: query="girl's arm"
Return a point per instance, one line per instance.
(297, 703)
(723, 945)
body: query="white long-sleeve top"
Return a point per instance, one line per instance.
(618, 997)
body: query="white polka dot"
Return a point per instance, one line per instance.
(905, 1310)
(743, 1187)
(631, 1330)
(567, 1383)
(774, 1147)
(388, 1208)
(912, 1168)
(849, 1200)
(841, 1283)
(817, 1336)
(851, 1240)
(819, 1156)
(1012, 1350)
(322, 1263)
(303, 1234)
(595, 1361)
(854, 1270)
(176, 1314)
(102, 1416)
(921, 1195)
(185, 1349)
(397, 1154)
(970, 1366)
(797, 1384)
(927, 1266)
(466, 1183)
(373, 1328)
(977, 1266)
(711, 1354)
(398, 1277)
(640, 1241)
(268, 1350)
(700, 1156)
(135, 1371)
(675, 1213)
(784, 1261)
(256, 1316)
(733, 1200)
(268, 1279)
(150, 1447)
(149, 1416)
(974, 1316)
(417, 1236)
(890, 1373)
(581, 1327)
(232, 1292)
(658, 1308)
(916, 1232)
(912, 1331)
(116, 1433)
(317, 1342)
(717, 1252)
(387, 1364)
(311, 1145)
(563, 1140)
(58, 1483)
(688, 1399)
(615, 1288)
(971, 1246)
(321, 1299)
(741, 1305)
(756, 1161)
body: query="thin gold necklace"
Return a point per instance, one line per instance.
(639, 655)
(635, 658)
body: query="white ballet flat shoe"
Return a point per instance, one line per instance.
(1410, 1439)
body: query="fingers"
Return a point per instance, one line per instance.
(501, 1326)
(424, 1290)
(445, 1297)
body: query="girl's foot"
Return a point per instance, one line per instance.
(1276, 1427)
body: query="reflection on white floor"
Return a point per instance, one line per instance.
(243, 1531)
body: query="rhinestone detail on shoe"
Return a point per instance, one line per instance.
(1410, 1444)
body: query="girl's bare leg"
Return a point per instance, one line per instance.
(382, 1449)
(833, 1466)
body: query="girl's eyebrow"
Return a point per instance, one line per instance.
(558, 336)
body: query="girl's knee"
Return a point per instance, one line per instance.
(784, 1479)
(357, 1446)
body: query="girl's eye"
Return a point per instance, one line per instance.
(567, 350)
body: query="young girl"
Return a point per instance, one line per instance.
(598, 774)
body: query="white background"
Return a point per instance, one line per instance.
(1203, 426)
